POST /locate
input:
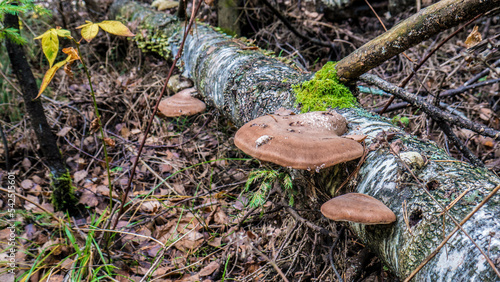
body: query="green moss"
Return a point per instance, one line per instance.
(63, 196)
(323, 91)
(228, 31)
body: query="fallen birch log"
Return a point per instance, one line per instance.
(244, 84)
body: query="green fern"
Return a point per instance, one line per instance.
(266, 178)
(15, 7)
(13, 35)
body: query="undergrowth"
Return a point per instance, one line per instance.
(266, 178)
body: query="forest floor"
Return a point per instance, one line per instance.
(189, 217)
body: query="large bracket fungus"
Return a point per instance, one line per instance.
(306, 141)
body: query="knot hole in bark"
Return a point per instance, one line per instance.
(415, 217)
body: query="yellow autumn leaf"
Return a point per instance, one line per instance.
(72, 53)
(474, 38)
(50, 74)
(64, 33)
(116, 28)
(50, 44)
(89, 30)
(87, 23)
(44, 34)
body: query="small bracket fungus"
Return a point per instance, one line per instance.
(307, 141)
(359, 208)
(181, 104)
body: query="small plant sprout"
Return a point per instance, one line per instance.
(266, 178)
(50, 46)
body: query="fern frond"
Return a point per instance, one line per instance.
(255, 175)
(287, 181)
(259, 197)
(6, 8)
(13, 35)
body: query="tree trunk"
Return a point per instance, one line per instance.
(245, 84)
(62, 195)
(229, 16)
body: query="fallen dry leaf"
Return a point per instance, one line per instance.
(26, 164)
(473, 38)
(28, 205)
(80, 175)
(486, 114)
(54, 278)
(165, 168)
(189, 242)
(216, 242)
(27, 184)
(94, 126)
(220, 217)
(209, 269)
(64, 131)
(110, 142)
(103, 190)
(67, 264)
(150, 206)
(30, 231)
(179, 188)
(89, 199)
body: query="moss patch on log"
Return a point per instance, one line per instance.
(323, 91)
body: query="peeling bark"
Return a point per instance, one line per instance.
(245, 84)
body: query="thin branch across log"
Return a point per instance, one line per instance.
(417, 28)
(244, 84)
(428, 108)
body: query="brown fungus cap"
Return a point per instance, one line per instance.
(181, 104)
(307, 141)
(356, 207)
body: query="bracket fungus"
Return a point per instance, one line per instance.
(306, 141)
(181, 104)
(359, 208)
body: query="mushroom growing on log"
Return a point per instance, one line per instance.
(181, 104)
(358, 208)
(306, 141)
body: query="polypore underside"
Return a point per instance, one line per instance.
(245, 84)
